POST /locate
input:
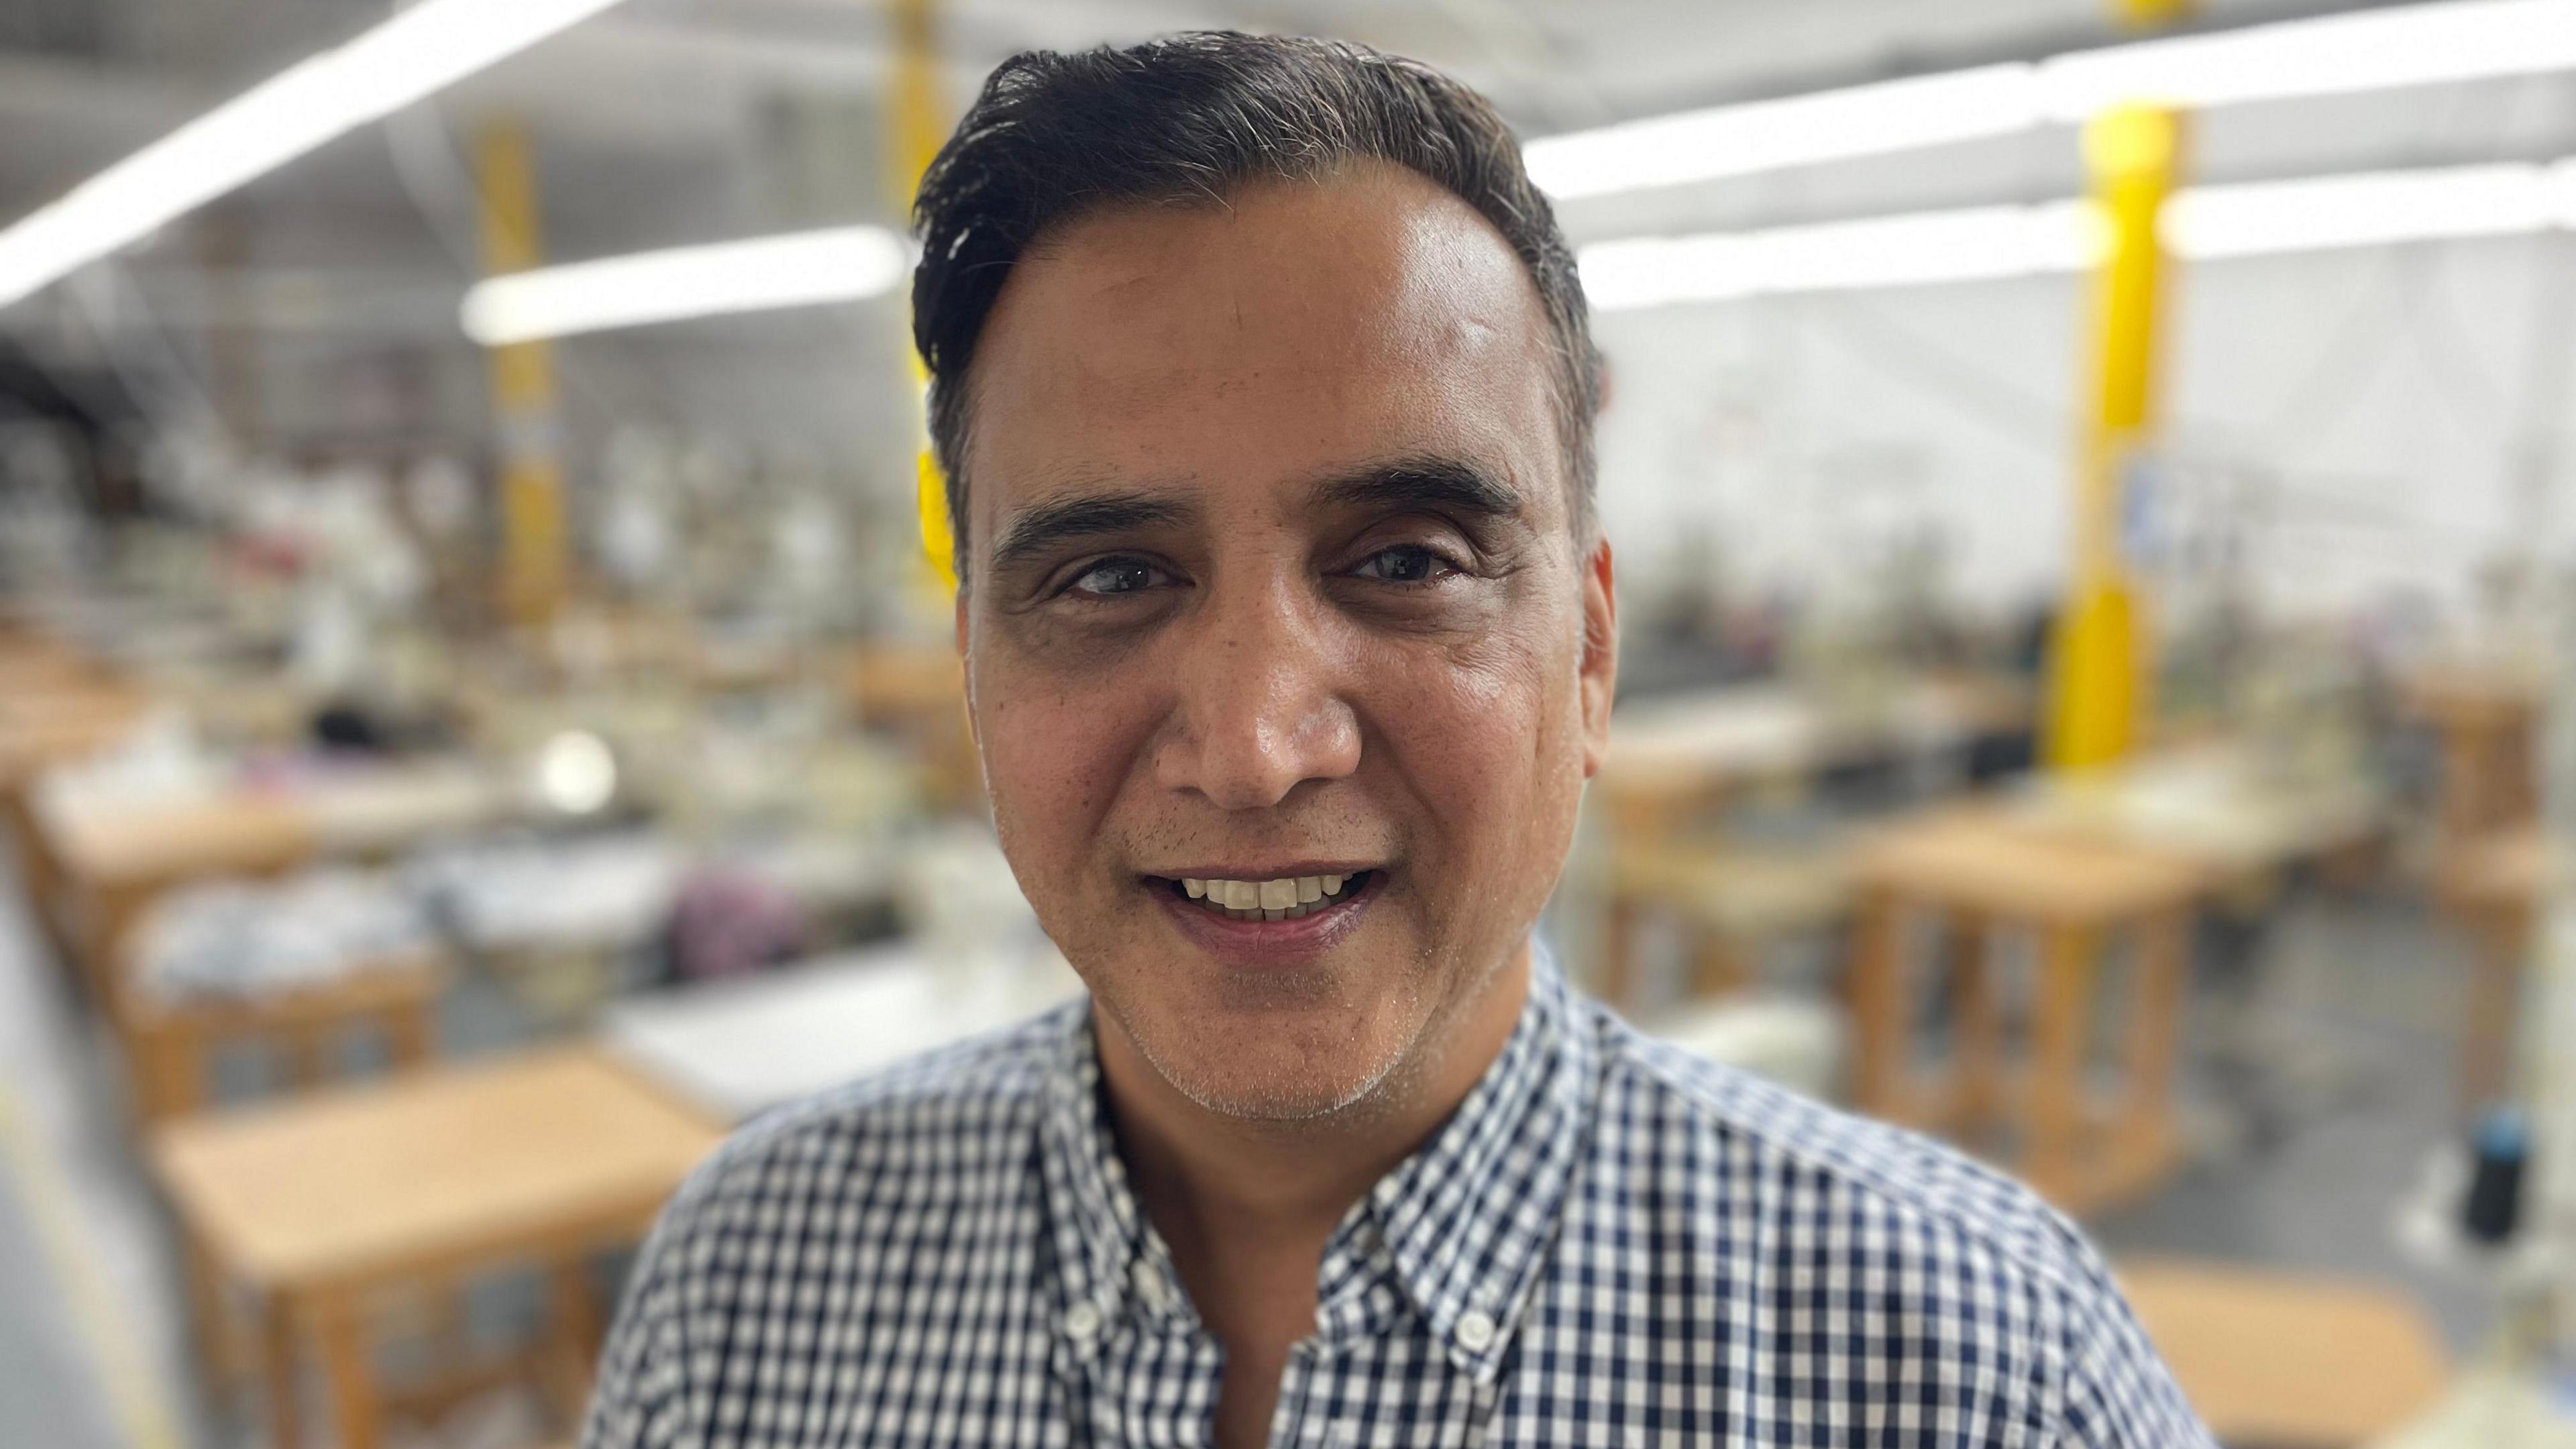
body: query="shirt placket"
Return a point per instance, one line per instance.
(1137, 1363)
(1298, 1422)
(1306, 1416)
(1346, 1323)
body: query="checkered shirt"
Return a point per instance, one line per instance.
(1611, 1243)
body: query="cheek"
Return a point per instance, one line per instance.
(1486, 740)
(1053, 754)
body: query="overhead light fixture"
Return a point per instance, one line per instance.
(2463, 40)
(2207, 223)
(1985, 243)
(2320, 214)
(422, 50)
(1796, 131)
(1978, 244)
(2412, 45)
(840, 264)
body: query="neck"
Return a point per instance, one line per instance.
(1214, 1183)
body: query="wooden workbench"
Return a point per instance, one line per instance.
(1676, 760)
(106, 860)
(1978, 873)
(1673, 753)
(41, 727)
(2487, 713)
(2215, 803)
(2286, 1359)
(115, 855)
(320, 1204)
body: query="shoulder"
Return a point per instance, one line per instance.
(944, 1125)
(1820, 1196)
(1922, 1185)
(800, 1220)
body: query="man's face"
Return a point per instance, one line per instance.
(1272, 578)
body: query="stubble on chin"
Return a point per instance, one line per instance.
(1276, 1048)
(1300, 1068)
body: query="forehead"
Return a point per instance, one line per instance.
(1291, 331)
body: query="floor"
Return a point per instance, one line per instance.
(92, 1346)
(2351, 1003)
(2352, 1010)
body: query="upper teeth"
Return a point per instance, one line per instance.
(1270, 897)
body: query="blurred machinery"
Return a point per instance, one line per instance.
(2499, 1209)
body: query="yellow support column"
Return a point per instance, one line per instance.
(919, 128)
(2100, 662)
(534, 552)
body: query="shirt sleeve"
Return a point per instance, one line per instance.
(638, 1400)
(2118, 1394)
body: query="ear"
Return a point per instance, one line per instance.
(1597, 673)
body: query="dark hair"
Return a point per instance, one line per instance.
(1183, 120)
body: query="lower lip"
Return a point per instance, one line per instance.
(1269, 943)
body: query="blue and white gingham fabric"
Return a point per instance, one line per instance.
(1611, 1243)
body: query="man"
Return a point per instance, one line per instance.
(1263, 383)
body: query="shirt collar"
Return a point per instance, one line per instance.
(1461, 1226)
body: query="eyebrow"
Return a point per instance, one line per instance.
(1410, 482)
(1048, 524)
(1424, 482)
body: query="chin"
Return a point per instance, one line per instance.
(1257, 1097)
(1267, 1070)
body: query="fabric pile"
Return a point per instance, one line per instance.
(540, 893)
(246, 940)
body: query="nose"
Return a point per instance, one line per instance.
(1260, 708)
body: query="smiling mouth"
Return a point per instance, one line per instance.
(1287, 898)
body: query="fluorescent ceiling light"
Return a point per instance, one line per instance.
(841, 264)
(1985, 243)
(1800, 130)
(2206, 223)
(1978, 244)
(2374, 50)
(423, 49)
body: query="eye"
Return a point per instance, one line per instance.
(1405, 563)
(1112, 577)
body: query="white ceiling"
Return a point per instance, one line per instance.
(81, 81)
(670, 121)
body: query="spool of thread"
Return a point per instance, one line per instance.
(2503, 1151)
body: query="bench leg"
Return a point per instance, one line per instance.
(1977, 1024)
(285, 1416)
(2061, 1022)
(1618, 983)
(2495, 994)
(1722, 967)
(576, 1324)
(341, 1327)
(2147, 1133)
(1877, 986)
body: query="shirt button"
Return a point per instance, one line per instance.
(1082, 1322)
(1149, 1287)
(1475, 1331)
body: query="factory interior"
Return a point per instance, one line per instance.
(2094, 499)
